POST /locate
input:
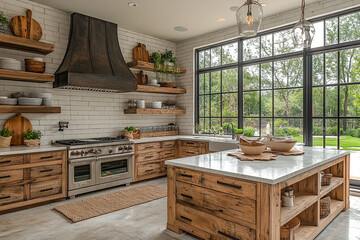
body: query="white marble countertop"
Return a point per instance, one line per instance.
(205, 138)
(270, 172)
(25, 150)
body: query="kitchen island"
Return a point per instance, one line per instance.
(215, 196)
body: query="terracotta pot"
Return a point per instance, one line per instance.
(32, 142)
(129, 135)
(5, 141)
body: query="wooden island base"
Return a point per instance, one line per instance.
(212, 206)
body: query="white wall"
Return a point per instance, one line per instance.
(90, 114)
(186, 49)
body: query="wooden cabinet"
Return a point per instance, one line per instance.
(32, 178)
(150, 157)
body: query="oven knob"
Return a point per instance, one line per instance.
(126, 147)
(72, 153)
(82, 153)
(120, 148)
(77, 153)
(130, 148)
(91, 151)
(98, 151)
(110, 151)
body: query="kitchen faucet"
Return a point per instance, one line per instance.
(232, 130)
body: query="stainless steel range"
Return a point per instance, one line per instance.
(98, 163)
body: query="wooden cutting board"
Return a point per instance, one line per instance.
(18, 125)
(26, 27)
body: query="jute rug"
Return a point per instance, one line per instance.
(111, 202)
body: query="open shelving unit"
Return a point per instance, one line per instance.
(26, 76)
(307, 201)
(29, 109)
(148, 66)
(23, 44)
(154, 111)
(164, 90)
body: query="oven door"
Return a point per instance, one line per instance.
(114, 167)
(81, 173)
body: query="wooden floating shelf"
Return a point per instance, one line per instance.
(165, 90)
(335, 182)
(148, 66)
(301, 202)
(154, 111)
(29, 109)
(23, 44)
(6, 74)
(306, 232)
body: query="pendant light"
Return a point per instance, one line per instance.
(249, 18)
(304, 31)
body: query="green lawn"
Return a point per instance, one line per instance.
(346, 142)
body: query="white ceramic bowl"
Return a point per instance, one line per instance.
(39, 59)
(47, 101)
(8, 101)
(40, 95)
(156, 105)
(25, 101)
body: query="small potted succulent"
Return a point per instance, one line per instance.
(32, 138)
(129, 132)
(238, 133)
(5, 137)
(4, 23)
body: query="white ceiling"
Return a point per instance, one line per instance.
(159, 17)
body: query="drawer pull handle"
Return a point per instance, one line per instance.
(187, 196)
(45, 190)
(186, 175)
(46, 170)
(185, 218)
(220, 210)
(5, 197)
(190, 152)
(149, 147)
(170, 144)
(149, 156)
(149, 170)
(168, 153)
(47, 157)
(190, 143)
(8, 161)
(229, 185)
(228, 236)
(8, 176)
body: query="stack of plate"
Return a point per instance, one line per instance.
(46, 98)
(25, 101)
(7, 101)
(10, 63)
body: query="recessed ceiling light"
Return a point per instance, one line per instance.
(132, 4)
(180, 29)
(234, 8)
(263, 4)
(220, 19)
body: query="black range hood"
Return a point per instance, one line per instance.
(93, 59)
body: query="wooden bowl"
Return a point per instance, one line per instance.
(34, 66)
(256, 149)
(167, 84)
(281, 146)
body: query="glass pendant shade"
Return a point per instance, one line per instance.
(304, 31)
(249, 18)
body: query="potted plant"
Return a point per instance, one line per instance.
(32, 138)
(5, 137)
(238, 133)
(165, 65)
(4, 23)
(129, 132)
(198, 128)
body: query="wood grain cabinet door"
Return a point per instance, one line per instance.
(150, 169)
(11, 160)
(11, 194)
(46, 156)
(141, 147)
(44, 171)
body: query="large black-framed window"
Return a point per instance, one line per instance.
(277, 86)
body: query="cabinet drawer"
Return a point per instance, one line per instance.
(167, 154)
(188, 176)
(11, 194)
(44, 171)
(11, 176)
(143, 157)
(229, 185)
(190, 151)
(150, 169)
(148, 146)
(190, 143)
(11, 160)
(168, 144)
(213, 225)
(45, 188)
(226, 206)
(46, 156)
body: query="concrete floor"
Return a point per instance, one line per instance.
(142, 222)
